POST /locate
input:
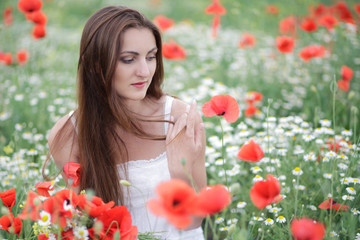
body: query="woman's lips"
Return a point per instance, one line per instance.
(139, 84)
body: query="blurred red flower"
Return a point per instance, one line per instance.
(39, 31)
(32, 207)
(113, 220)
(26, 6)
(307, 229)
(346, 73)
(250, 152)
(343, 85)
(343, 12)
(164, 23)
(328, 21)
(222, 105)
(309, 52)
(22, 56)
(253, 96)
(327, 204)
(72, 171)
(272, 9)
(211, 200)
(319, 10)
(173, 51)
(247, 40)
(285, 44)
(8, 198)
(217, 10)
(6, 58)
(7, 16)
(357, 8)
(11, 224)
(251, 110)
(287, 26)
(175, 202)
(308, 25)
(265, 192)
(43, 188)
(94, 207)
(37, 17)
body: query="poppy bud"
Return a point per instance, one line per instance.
(313, 88)
(235, 188)
(117, 235)
(125, 183)
(4, 211)
(231, 229)
(8, 150)
(36, 201)
(183, 161)
(351, 95)
(98, 227)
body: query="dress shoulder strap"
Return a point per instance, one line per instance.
(167, 111)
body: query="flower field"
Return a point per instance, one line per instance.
(278, 87)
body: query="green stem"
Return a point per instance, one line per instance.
(223, 152)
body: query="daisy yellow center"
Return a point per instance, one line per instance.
(256, 167)
(281, 217)
(352, 189)
(297, 169)
(44, 218)
(268, 220)
(81, 232)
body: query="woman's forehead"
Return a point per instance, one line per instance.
(138, 40)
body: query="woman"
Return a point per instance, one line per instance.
(125, 127)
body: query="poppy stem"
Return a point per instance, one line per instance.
(223, 152)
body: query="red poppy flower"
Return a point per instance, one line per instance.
(308, 25)
(287, 26)
(39, 31)
(11, 224)
(328, 21)
(26, 6)
(43, 188)
(222, 105)
(37, 17)
(215, 8)
(72, 170)
(8, 17)
(285, 44)
(250, 152)
(265, 192)
(113, 220)
(307, 229)
(319, 10)
(45, 236)
(22, 56)
(272, 9)
(357, 8)
(312, 51)
(173, 51)
(32, 207)
(95, 207)
(251, 110)
(212, 200)
(253, 96)
(163, 22)
(346, 73)
(8, 198)
(343, 85)
(327, 204)
(343, 12)
(247, 40)
(6, 58)
(175, 202)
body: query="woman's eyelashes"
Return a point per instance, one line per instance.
(128, 60)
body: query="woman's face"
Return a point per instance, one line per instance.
(136, 63)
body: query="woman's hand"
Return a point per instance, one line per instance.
(185, 141)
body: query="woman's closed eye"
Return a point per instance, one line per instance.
(150, 58)
(127, 60)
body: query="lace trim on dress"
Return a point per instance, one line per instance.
(147, 161)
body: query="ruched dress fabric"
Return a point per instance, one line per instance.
(145, 176)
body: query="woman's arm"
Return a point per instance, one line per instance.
(63, 146)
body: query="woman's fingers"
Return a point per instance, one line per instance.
(176, 128)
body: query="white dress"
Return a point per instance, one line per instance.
(145, 175)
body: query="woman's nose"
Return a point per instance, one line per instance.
(143, 69)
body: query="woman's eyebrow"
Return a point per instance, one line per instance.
(136, 53)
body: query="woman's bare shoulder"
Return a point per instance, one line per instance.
(63, 142)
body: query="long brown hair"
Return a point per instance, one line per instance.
(100, 109)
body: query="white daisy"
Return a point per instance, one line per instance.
(280, 219)
(351, 190)
(297, 171)
(269, 221)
